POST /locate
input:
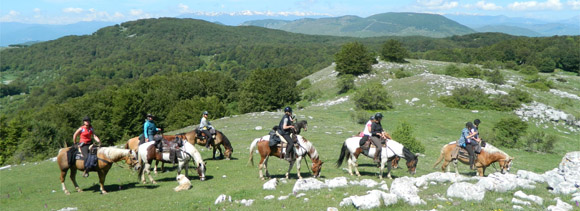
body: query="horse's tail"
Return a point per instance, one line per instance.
(440, 156)
(227, 143)
(343, 153)
(252, 147)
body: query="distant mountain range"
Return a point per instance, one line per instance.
(239, 18)
(385, 24)
(19, 33)
(519, 26)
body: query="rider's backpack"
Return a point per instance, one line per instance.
(274, 139)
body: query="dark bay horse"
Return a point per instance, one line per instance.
(298, 126)
(220, 139)
(393, 149)
(306, 148)
(489, 154)
(106, 155)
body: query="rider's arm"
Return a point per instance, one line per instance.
(76, 134)
(145, 130)
(96, 138)
(285, 126)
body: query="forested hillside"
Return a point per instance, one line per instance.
(177, 68)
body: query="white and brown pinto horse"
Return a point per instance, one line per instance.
(393, 149)
(106, 157)
(148, 153)
(305, 148)
(489, 154)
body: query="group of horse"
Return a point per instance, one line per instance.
(140, 157)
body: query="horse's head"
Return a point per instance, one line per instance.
(412, 164)
(505, 164)
(132, 160)
(201, 170)
(316, 167)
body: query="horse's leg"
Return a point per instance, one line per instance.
(145, 170)
(102, 175)
(150, 177)
(155, 167)
(219, 148)
(298, 167)
(73, 178)
(260, 167)
(289, 168)
(455, 166)
(62, 178)
(389, 167)
(266, 166)
(353, 163)
(481, 171)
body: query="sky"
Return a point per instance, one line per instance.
(73, 11)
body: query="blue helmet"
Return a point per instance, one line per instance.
(288, 109)
(205, 113)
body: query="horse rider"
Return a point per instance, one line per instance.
(467, 142)
(86, 134)
(285, 129)
(475, 130)
(150, 131)
(377, 135)
(367, 130)
(206, 127)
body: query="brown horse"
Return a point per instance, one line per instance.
(266, 151)
(148, 153)
(106, 155)
(220, 139)
(489, 154)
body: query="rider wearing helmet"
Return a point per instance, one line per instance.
(149, 131)
(466, 141)
(205, 127)
(367, 130)
(86, 134)
(285, 129)
(377, 134)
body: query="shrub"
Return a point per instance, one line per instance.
(401, 73)
(453, 70)
(472, 71)
(311, 95)
(496, 77)
(505, 103)
(373, 97)
(304, 84)
(538, 141)
(529, 70)
(393, 51)
(345, 83)
(354, 58)
(510, 65)
(404, 135)
(538, 82)
(508, 132)
(521, 96)
(360, 116)
(467, 98)
(492, 64)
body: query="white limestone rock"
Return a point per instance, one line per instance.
(336, 182)
(405, 190)
(466, 191)
(538, 200)
(270, 185)
(308, 184)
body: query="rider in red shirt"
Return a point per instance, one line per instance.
(86, 133)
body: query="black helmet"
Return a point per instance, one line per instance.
(476, 121)
(204, 113)
(288, 109)
(150, 115)
(378, 116)
(87, 118)
(469, 125)
(372, 117)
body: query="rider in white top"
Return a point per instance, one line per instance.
(367, 130)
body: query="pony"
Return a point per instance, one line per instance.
(388, 153)
(106, 157)
(305, 148)
(298, 126)
(489, 154)
(148, 153)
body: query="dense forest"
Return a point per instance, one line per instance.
(177, 68)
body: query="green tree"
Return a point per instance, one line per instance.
(268, 89)
(404, 135)
(393, 51)
(345, 83)
(353, 58)
(508, 132)
(373, 97)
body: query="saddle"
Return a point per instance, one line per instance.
(368, 144)
(460, 152)
(172, 147)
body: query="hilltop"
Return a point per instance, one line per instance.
(385, 24)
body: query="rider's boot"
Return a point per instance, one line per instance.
(377, 158)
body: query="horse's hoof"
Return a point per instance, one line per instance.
(262, 178)
(66, 192)
(104, 192)
(155, 183)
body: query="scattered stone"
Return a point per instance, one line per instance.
(5, 167)
(268, 197)
(384, 187)
(516, 207)
(564, 179)
(222, 198)
(499, 182)
(369, 201)
(560, 206)
(336, 182)
(499, 199)
(270, 185)
(283, 197)
(466, 191)
(333, 102)
(331, 209)
(248, 202)
(530, 176)
(538, 200)
(306, 199)
(405, 189)
(521, 202)
(369, 183)
(300, 195)
(307, 184)
(564, 94)
(69, 209)
(258, 128)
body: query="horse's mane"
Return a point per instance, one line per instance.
(308, 145)
(113, 153)
(492, 150)
(227, 142)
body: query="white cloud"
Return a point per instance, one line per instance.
(135, 12)
(534, 5)
(487, 6)
(72, 10)
(574, 4)
(118, 15)
(437, 4)
(37, 10)
(183, 8)
(12, 16)
(92, 10)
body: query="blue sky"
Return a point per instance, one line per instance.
(72, 11)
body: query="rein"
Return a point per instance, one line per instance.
(305, 160)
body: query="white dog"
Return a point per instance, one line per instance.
(184, 183)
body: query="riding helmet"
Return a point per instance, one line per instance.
(288, 109)
(87, 118)
(372, 117)
(150, 115)
(205, 113)
(476, 121)
(378, 116)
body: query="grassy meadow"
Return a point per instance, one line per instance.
(36, 186)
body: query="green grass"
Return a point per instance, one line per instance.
(34, 186)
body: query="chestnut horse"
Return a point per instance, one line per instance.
(106, 157)
(305, 147)
(220, 139)
(148, 153)
(489, 154)
(388, 154)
